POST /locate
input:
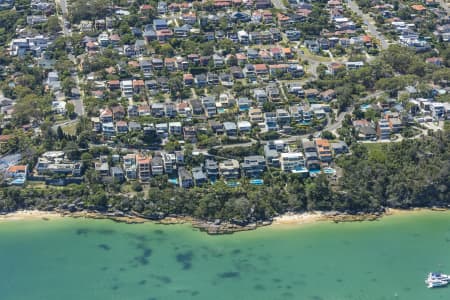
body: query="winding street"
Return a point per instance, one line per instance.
(370, 23)
(78, 103)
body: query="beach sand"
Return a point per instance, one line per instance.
(29, 215)
(297, 219)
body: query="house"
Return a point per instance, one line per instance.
(108, 130)
(106, 115)
(212, 78)
(188, 79)
(271, 121)
(164, 35)
(293, 35)
(102, 168)
(190, 134)
(437, 61)
(158, 110)
(114, 84)
(323, 149)
(339, 147)
(171, 110)
(161, 8)
(127, 88)
(260, 96)
(121, 127)
(138, 85)
(182, 31)
(273, 92)
(243, 37)
(253, 166)
(256, 115)
(143, 167)
(262, 4)
(17, 174)
(159, 24)
(157, 165)
(117, 174)
(354, 65)
(229, 169)
(226, 80)
(144, 110)
(311, 94)
(216, 127)
(312, 45)
(197, 107)
(200, 80)
(118, 112)
(327, 95)
(260, 69)
(395, 124)
(169, 161)
(175, 128)
(383, 129)
(292, 161)
(209, 105)
(249, 72)
(366, 132)
(244, 126)
(185, 178)
(184, 110)
(243, 104)
(199, 176)
(211, 169)
(134, 126)
(54, 162)
(218, 60)
(283, 117)
(237, 72)
(230, 128)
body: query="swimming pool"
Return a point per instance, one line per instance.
(257, 181)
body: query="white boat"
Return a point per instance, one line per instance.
(437, 280)
(439, 276)
(437, 283)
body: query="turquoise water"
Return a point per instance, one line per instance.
(100, 259)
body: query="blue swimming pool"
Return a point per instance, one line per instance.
(173, 180)
(257, 181)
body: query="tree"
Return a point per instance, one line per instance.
(70, 108)
(53, 26)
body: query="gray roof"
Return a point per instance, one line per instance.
(229, 126)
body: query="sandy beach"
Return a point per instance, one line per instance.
(29, 215)
(297, 219)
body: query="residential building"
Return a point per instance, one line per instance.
(383, 129)
(157, 165)
(292, 161)
(143, 167)
(117, 174)
(229, 169)
(185, 178)
(253, 166)
(230, 128)
(199, 176)
(212, 169)
(323, 150)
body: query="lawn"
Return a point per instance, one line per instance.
(70, 129)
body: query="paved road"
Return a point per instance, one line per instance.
(279, 4)
(445, 5)
(370, 23)
(78, 103)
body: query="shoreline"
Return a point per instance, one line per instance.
(214, 228)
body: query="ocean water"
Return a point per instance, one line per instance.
(99, 259)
